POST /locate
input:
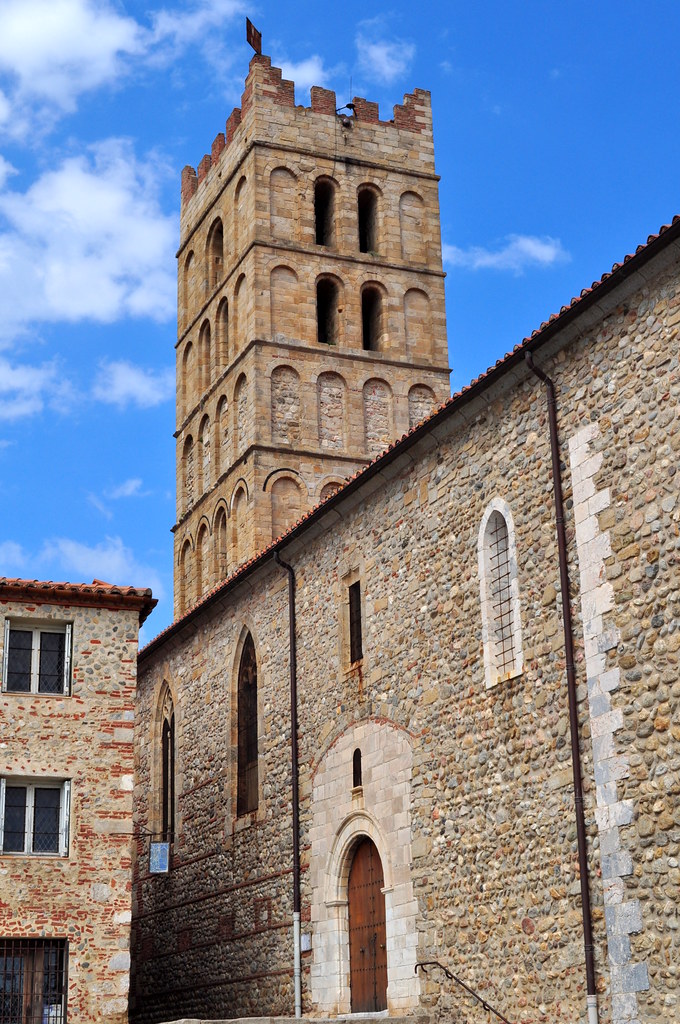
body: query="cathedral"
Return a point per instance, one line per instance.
(417, 720)
(411, 746)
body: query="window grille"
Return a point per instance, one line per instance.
(33, 981)
(500, 587)
(34, 817)
(356, 651)
(37, 659)
(247, 791)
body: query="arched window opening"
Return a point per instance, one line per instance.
(330, 391)
(167, 769)
(239, 314)
(501, 629)
(367, 209)
(284, 303)
(327, 292)
(356, 769)
(328, 489)
(324, 211)
(215, 254)
(285, 405)
(247, 791)
(371, 319)
(240, 532)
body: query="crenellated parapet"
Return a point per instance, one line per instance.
(266, 87)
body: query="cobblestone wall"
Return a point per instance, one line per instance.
(491, 835)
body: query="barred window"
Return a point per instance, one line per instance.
(36, 659)
(33, 981)
(34, 816)
(501, 627)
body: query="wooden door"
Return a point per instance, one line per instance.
(367, 939)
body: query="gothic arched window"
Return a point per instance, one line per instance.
(167, 772)
(247, 791)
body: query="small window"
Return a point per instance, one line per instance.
(356, 652)
(247, 791)
(167, 767)
(499, 593)
(356, 769)
(37, 659)
(33, 975)
(327, 312)
(371, 319)
(34, 817)
(324, 202)
(367, 209)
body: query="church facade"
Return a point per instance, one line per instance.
(437, 717)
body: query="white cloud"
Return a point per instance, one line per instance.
(11, 556)
(121, 383)
(53, 51)
(24, 389)
(57, 49)
(128, 489)
(87, 241)
(306, 73)
(380, 58)
(110, 560)
(517, 253)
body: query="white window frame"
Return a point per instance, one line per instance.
(36, 628)
(493, 677)
(64, 787)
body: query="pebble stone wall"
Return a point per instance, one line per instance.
(493, 857)
(86, 896)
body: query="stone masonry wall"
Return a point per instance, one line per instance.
(248, 273)
(494, 869)
(86, 738)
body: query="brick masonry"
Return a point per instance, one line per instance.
(86, 737)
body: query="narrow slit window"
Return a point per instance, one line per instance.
(327, 312)
(356, 769)
(324, 202)
(247, 792)
(371, 319)
(499, 592)
(367, 209)
(501, 595)
(356, 651)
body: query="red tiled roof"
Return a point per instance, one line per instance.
(619, 272)
(97, 594)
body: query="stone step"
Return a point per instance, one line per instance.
(354, 1018)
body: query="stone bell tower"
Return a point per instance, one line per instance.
(311, 325)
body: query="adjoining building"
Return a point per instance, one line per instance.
(358, 743)
(67, 708)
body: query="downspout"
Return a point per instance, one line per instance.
(297, 974)
(571, 690)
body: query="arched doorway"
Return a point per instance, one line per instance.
(367, 934)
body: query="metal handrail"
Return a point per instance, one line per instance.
(452, 977)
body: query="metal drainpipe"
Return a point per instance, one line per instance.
(297, 973)
(571, 690)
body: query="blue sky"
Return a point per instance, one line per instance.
(556, 141)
